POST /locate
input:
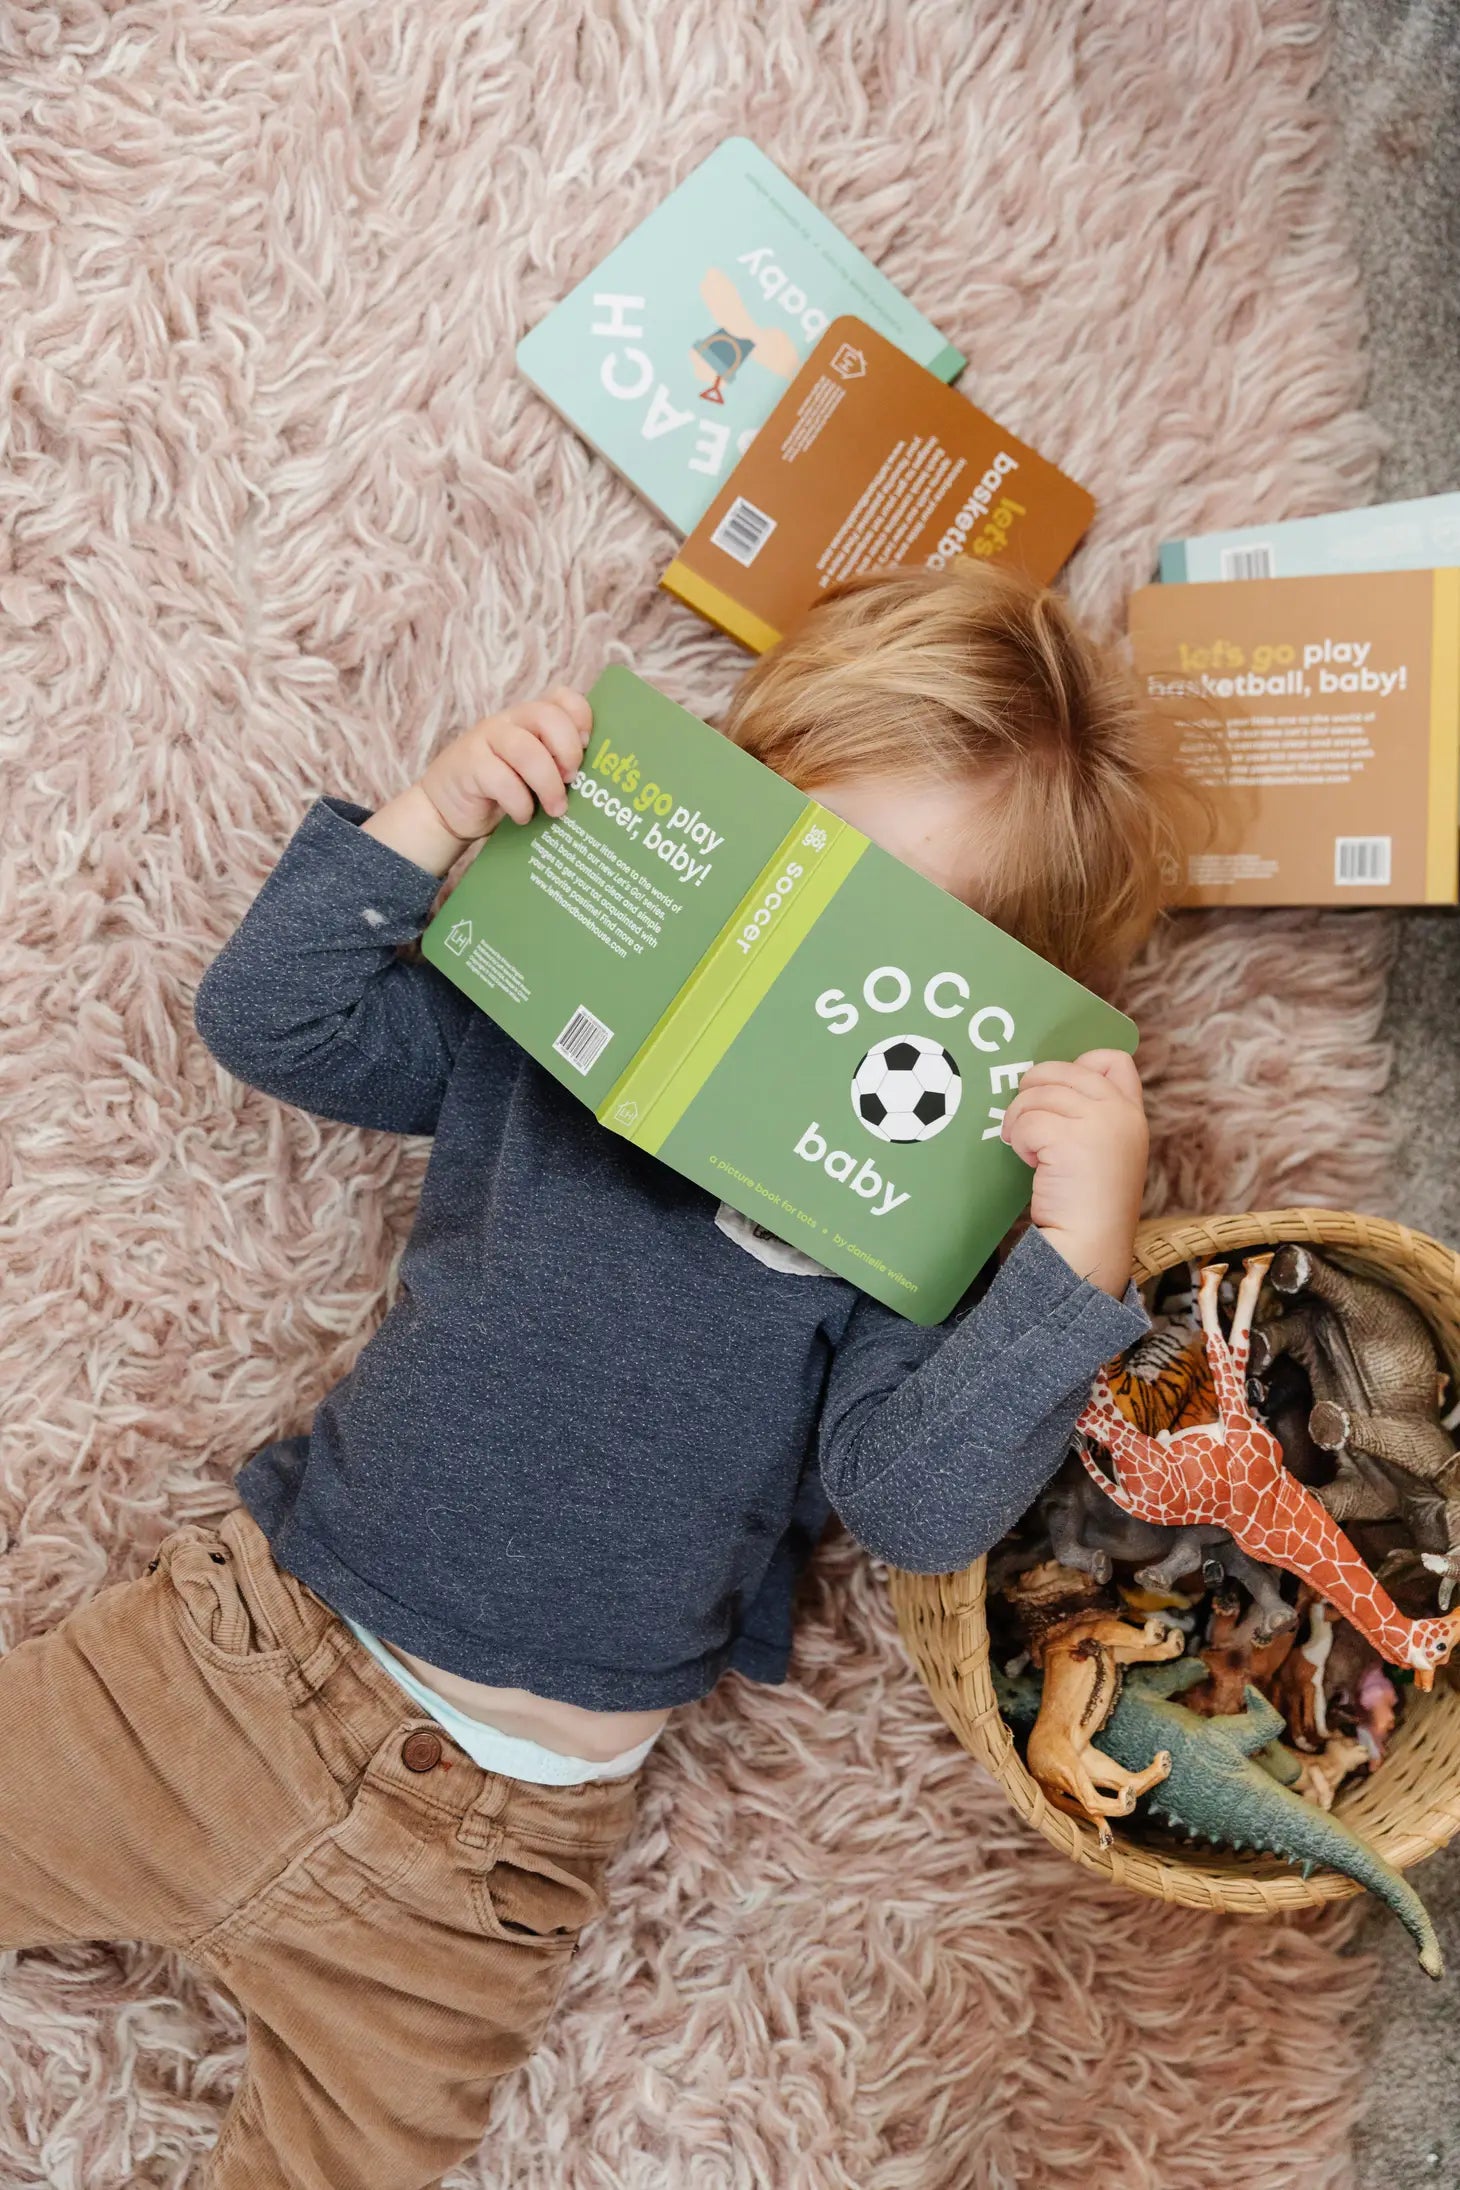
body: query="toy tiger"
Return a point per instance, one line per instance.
(1164, 1381)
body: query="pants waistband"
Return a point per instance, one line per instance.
(314, 1644)
(497, 1751)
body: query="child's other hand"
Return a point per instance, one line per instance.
(1083, 1128)
(510, 763)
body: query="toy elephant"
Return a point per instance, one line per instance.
(1376, 1382)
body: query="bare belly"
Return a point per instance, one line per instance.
(564, 1727)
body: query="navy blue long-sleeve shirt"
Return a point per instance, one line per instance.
(594, 1439)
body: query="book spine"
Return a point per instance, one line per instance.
(754, 947)
(1442, 848)
(719, 607)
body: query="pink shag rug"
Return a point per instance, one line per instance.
(277, 517)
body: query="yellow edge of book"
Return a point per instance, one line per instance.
(719, 608)
(1442, 849)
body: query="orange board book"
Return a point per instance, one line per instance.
(867, 461)
(1326, 714)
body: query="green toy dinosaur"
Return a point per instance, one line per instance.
(1217, 1788)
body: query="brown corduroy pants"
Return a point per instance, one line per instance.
(206, 1758)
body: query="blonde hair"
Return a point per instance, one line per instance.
(975, 674)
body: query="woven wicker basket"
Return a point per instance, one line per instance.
(1406, 1809)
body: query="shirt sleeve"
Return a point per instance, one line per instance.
(933, 1443)
(308, 1000)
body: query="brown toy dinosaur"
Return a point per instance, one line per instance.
(1081, 1660)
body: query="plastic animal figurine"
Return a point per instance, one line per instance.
(1089, 1531)
(1361, 1700)
(1286, 1394)
(1370, 1356)
(1046, 1594)
(1215, 1789)
(1317, 1779)
(1300, 1689)
(1285, 1765)
(1164, 1381)
(1082, 1660)
(1231, 1474)
(1320, 1778)
(1377, 1385)
(1238, 1652)
(1375, 1707)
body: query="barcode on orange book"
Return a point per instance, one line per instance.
(743, 531)
(1362, 859)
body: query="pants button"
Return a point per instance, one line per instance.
(421, 1752)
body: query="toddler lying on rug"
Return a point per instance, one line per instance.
(366, 1750)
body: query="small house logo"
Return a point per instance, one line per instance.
(458, 939)
(627, 1113)
(849, 362)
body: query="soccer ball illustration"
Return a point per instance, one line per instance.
(906, 1088)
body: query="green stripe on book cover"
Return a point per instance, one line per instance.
(753, 948)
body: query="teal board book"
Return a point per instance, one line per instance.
(737, 981)
(678, 346)
(1420, 535)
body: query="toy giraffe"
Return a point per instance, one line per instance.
(1231, 1473)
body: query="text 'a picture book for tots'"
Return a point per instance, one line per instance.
(739, 982)
(1325, 714)
(868, 462)
(669, 355)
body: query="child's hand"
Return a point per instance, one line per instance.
(509, 763)
(505, 765)
(1083, 1128)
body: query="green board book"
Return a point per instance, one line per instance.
(670, 354)
(739, 982)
